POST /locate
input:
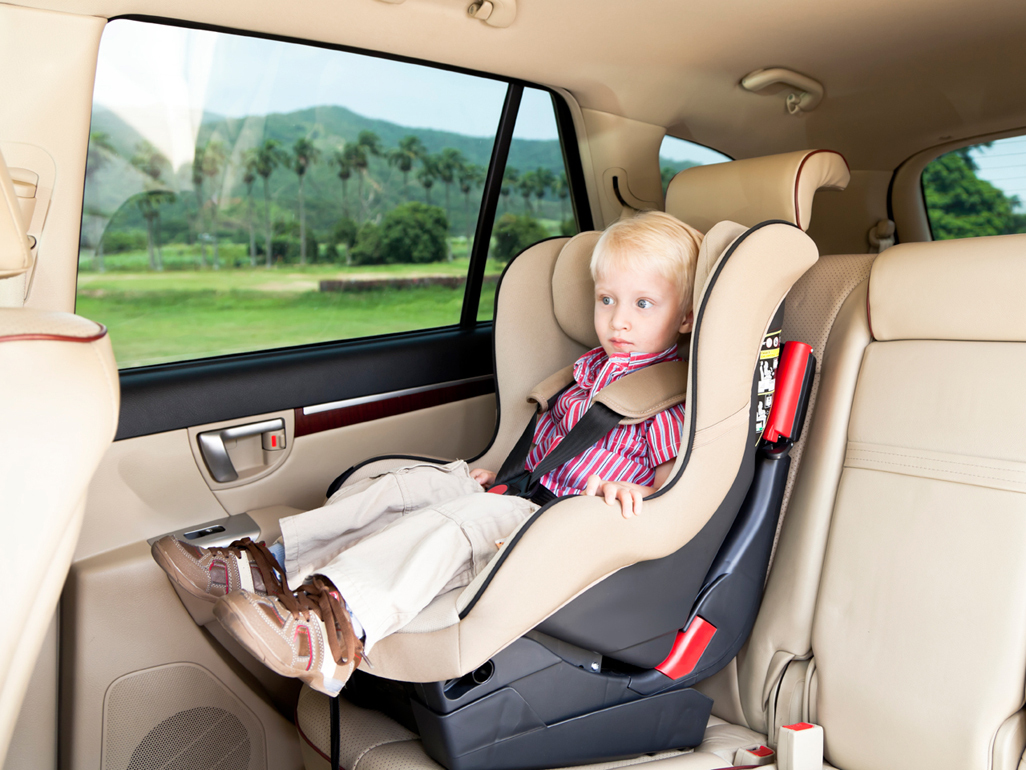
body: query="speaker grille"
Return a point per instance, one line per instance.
(179, 716)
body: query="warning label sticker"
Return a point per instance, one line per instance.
(769, 359)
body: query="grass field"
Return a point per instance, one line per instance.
(185, 314)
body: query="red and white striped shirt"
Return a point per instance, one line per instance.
(628, 452)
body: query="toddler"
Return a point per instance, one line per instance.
(383, 548)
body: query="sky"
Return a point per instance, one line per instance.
(1003, 164)
(161, 79)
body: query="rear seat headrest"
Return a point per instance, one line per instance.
(968, 289)
(751, 191)
(14, 244)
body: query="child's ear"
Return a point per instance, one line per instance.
(688, 323)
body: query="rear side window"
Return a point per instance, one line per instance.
(244, 194)
(678, 154)
(977, 190)
(535, 201)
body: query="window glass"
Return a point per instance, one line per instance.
(244, 194)
(535, 199)
(677, 154)
(977, 190)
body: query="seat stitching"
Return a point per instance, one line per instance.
(936, 470)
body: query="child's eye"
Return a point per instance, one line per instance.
(644, 303)
(606, 300)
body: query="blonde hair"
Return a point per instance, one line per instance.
(656, 240)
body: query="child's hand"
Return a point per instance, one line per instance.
(629, 495)
(483, 476)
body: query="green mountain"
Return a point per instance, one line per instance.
(112, 179)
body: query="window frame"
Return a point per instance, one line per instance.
(486, 214)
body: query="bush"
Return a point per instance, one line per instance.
(345, 232)
(568, 227)
(118, 241)
(285, 249)
(514, 233)
(367, 249)
(414, 233)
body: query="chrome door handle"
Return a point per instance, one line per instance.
(215, 454)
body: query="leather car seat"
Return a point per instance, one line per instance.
(59, 402)
(751, 269)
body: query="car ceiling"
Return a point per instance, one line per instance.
(899, 76)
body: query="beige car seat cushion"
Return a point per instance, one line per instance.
(751, 191)
(573, 289)
(14, 243)
(969, 289)
(20, 325)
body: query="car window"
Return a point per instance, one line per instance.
(677, 154)
(535, 201)
(977, 190)
(244, 194)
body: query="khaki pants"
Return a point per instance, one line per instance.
(392, 543)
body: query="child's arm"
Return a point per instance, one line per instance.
(483, 476)
(629, 495)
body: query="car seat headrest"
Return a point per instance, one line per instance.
(756, 189)
(968, 289)
(14, 243)
(573, 290)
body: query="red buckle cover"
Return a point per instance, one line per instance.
(687, 649)
(793, 364)
(799, 726)
(498, 489)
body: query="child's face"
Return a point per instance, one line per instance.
(637, 311)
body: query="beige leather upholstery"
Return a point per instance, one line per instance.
(59, 408)
(751, 191)
(14, 244)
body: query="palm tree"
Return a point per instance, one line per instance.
(510, 178)
(427, 174)
(409, 150)
(543, 179)
(471, 175)
(213, 163)
(450, 161)
(342, 157)
(562, 190)
(526, 187)
(269, 156)
(367, 144)
(249, 175)
(197, 188)
(152, 162)
(100, 151)
(149, 204)
(304, 155)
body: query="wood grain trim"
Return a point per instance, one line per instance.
(388, 407)
(56, 337)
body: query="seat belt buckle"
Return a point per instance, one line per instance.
(800, 747)
(754, 757)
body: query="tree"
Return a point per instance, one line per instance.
(961, 205)
(448, 166)
(249, 175)
(526, 187)
(411, 233)
(304, 155)
(149, 204)
(269, 156)
(471, 176)
(427, 174)
(510, 178)
(409, 150)
(197, 189)
(343, 161)
(543, 179)
(515, 233)
(213, 163)
(152, 162)
(100, 151)
(367, 144)
(562, 190)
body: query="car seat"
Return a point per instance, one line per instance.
(59, 408)
(603, 604)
